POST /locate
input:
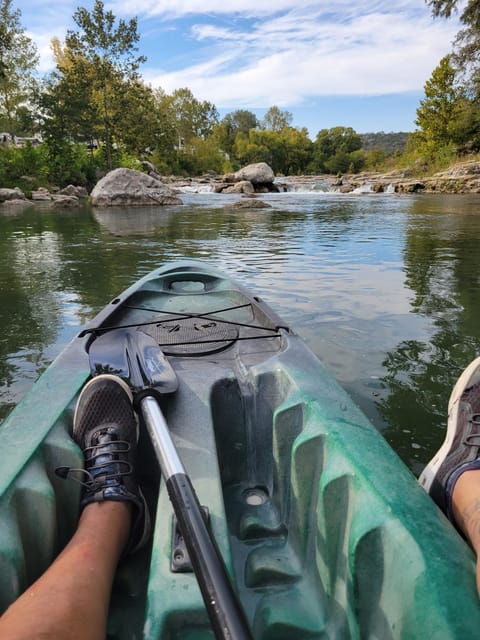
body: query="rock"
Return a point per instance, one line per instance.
(244, 186)
(11, 194)
(128, 187)
(219, 187)
(60, 200)
(258, 174)
(71, 190)
(151, 170)
(16, 202)
(249, 203)
(41, 195)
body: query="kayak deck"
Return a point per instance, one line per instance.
(324, 531)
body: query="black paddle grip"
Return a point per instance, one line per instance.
(226, 615)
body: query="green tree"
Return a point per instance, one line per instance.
(287, 151)
(104, 50)
(439, 108)
(240, 121)
(192, 118)
(467, 42)
(18, 59)
(336, 150)
(465, 129)
(276, 119)
(298, 150)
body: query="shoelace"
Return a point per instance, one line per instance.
(92, 484)
(473, 439)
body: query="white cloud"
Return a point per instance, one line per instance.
(259, 52)
(300, 54)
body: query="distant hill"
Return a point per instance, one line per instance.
(390, 142)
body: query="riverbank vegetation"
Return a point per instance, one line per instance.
(93, 112)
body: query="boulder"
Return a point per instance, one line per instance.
(127, 187)
(258, 174)
(76, 192)
(63, 200)
(41, 195)
(249, 203)
(244, 186)
(11, 194)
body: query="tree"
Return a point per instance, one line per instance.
(334, 151)
(192, 118)
(287, 151)
(18, 59)
(240, 121)
(467, 42)
(276, 119)
(105, 52)
(438, 110)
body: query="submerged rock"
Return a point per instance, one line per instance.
(128, 187)
(250, 203)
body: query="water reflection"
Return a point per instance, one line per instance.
(441, 269)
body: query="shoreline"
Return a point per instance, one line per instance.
(460, 178)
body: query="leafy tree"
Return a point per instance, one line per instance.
(105, 52)
(250, 147)
(467, 42)
(298, 150)
(18, 59)
(191, 117)
(276, 119)
(439, 109)
(334, 151)
(465, 128)
(240, 121)
(287, 151)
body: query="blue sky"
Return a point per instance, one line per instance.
(329, 62)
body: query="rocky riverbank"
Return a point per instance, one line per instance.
(459, 178)
(133, 188)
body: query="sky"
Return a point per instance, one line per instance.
(353, 63)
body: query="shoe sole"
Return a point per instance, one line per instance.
(464, 381)
(105, 376)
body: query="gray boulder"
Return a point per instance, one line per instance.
(11, 194)
(259, 173)
(127, 187)
(61, 200)
(72, 190)
(244, 186)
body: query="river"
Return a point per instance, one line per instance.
(384, 288)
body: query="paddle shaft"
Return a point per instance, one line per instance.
(225, 613)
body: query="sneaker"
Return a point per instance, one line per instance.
(106, 429)
(461, 450)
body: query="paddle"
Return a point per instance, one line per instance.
(137, 358)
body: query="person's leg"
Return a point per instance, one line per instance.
(71, 599)
(452, 477)
(466, 510)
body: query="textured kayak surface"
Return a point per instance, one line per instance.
(325, 532)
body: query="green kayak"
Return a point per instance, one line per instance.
(323, 530)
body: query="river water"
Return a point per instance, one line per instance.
(384, 288)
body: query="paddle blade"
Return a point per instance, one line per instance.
(135, 357)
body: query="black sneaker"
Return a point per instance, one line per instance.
(461, 450)
(106, 429)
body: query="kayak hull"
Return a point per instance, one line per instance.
(323, 530)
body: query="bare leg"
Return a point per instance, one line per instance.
(466, 510)
(70, 600)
